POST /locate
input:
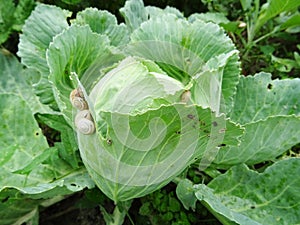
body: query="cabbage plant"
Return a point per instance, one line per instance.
(143, 100)
(154, 100)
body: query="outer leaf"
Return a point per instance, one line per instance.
(247, 197)
(273, 8)
(44, 23)
(14, 139)
(258, 97)
(185, 193)
(153, 11)
(134, 13)
(103, 22)
(214, 17)
(24, 164)
(262, 140)
(269, 111)
(16, 208)
(12, 81)
(74, 51)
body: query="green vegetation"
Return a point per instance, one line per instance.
(148, 113)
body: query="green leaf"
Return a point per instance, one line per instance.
(12, 81)
(293, 21)
(103, 22)
(22, 12)
(247, 197)
(134, 13)
(24, 163)
(214, 17)
(269, 111)
(67, 148)
(153, 11)
(273, 8)
(16, 208)
(262, 141)
(186, 194)
(74, 51)
(246, 4)
(36, 161)
(283, 65)
(258, 97)
(44, 23)
(12, 17)
(297, 58)
(14, 138)
(176, 44)
(7, 19)
(207, 88)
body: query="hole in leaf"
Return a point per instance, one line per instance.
(222, 130)
(214, 123)
(190, 116)
(270, 86)
(109, 141)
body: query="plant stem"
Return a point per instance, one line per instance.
(251, 27)
(264, 36)
(119, 213)
(118, 217)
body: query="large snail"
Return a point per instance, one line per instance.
(84, 122)
(77, 99)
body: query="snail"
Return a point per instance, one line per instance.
(84, 122)
(77, 99)
(186, 96)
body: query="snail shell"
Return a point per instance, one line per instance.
(79, 103)
(84, 122)
(77, 99)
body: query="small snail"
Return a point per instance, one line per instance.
(84, 122)
(77, 99)
(186, 96)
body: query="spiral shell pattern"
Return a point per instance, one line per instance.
(79, 103)
(84, 122)
(77, 99)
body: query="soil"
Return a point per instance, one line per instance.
(69, 212)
